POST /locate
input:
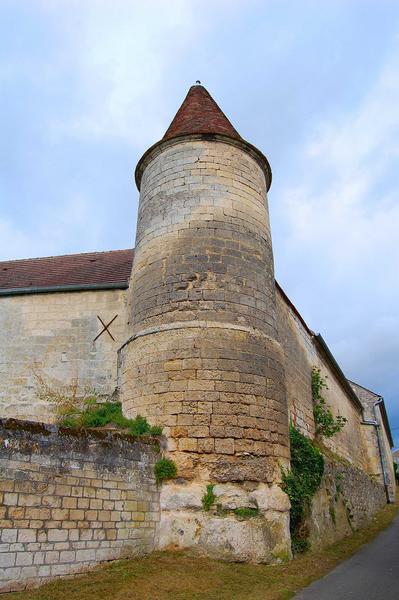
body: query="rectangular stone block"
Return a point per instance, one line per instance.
(224, 446)
(188, 444)
(24, 559)
(7, 559)
(26, 535)
(10, 499)
(9, 536)
(57, 535)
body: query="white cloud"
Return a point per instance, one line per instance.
(14, 243)
(346, 203)
(341, 253)
(74, 216)
(122, 54)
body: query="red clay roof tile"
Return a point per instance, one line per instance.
(199, 113)
(93, 268)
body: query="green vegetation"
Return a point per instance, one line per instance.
(78, 407)
(246, 513)
(208, 498)
(165, 469)
(243, 512)
(184, 576)
(396, 470)
(93, 414)
(326, 424)
(307, 464)
(300, 484)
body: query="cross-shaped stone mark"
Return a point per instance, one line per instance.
(105, 328)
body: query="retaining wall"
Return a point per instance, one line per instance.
(346, 500)
(71, 499)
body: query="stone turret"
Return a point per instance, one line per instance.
(203, 359)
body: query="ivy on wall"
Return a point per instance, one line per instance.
(326, 424)
(300, 483)
(307, 463)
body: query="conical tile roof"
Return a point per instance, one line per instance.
(199, 113)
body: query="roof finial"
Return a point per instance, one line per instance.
(198, 82)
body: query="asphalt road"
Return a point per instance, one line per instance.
(370, 574)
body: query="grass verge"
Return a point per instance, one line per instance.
(181, 576)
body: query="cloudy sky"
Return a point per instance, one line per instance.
(87, 86)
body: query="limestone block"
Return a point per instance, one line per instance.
(258, 540)
(175, 496)
(231, 496)
(270, 498)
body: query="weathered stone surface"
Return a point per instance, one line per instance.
(188, 496)
(263, 539)
(219, 532)
(181, 496)
(203, 359)
(346, 500)
(270, 498)
(232, 496)
(46, 343)
(72, 499)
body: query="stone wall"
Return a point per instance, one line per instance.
(72, 499)
(47, 340)
(301, 354)
(299, 357)
(346, 500)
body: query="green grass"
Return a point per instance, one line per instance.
(182, 576)
(108, 413)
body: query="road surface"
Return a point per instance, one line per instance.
(370, 574)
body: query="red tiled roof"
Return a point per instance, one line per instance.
(199, 113)
(91, 269)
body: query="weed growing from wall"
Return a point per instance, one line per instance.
(93, 414)
(208, 498)
(242, 512)
(301, 484)
(64, 397)
(326, 424)
(165, 469)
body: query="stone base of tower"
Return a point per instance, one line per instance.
(260, 536)
(218, 392)
(217, 389)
